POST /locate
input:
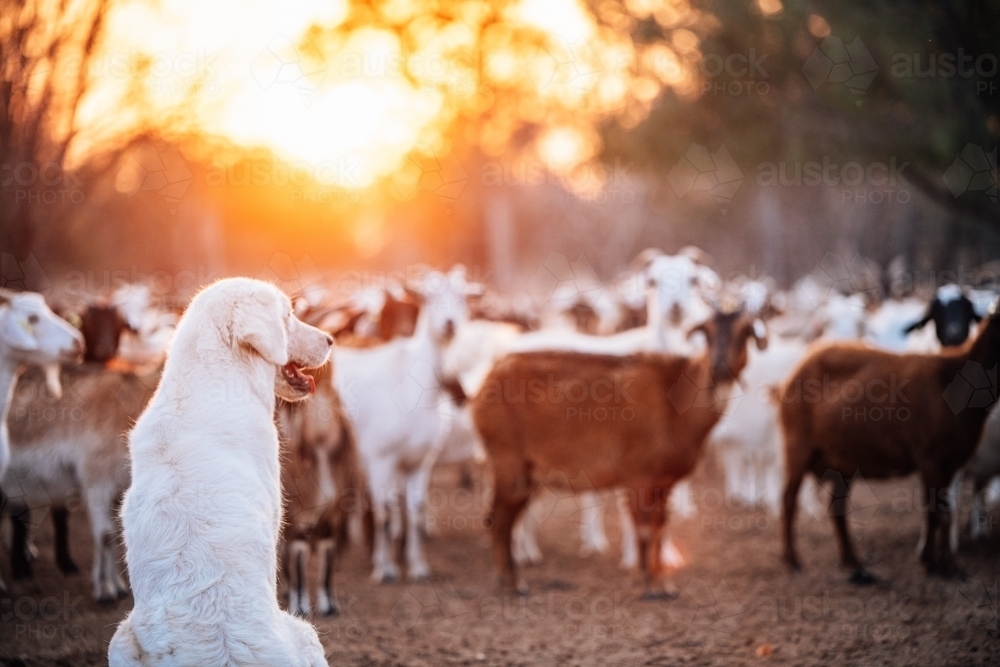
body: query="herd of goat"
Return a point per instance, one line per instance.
(613, 392)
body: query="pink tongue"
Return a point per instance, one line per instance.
(299, 375)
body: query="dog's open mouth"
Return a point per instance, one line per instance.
(297, 379)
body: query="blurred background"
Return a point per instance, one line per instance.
(178, 141)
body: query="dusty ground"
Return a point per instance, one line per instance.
(738, 605)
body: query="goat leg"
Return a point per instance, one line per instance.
(19, 564)
(790, 504)
(60, 524)
(946, 565)
(510, 497)
(649, 514)
(327, 602)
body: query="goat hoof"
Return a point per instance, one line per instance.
(862, 577)
(332, 610)
(388, 577)
(655, 595)
(948, 572)
(106, 599)
(522, 589)
(658, 593)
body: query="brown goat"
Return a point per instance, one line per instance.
(102, 326)
(594, 422)
(929, 421)
(322, 483)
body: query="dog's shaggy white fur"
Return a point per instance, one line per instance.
(202, 517)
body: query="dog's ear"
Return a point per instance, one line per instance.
(259, 323)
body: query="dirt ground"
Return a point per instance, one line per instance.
(737, 605)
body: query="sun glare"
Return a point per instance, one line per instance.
(281, 77)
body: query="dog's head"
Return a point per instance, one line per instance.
(256, 319)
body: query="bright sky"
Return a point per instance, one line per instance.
(262, 79)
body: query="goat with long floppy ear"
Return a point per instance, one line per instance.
(756, 328)
(952, 312)
(30, 334)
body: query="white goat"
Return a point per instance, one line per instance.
(150, 328)
(983, 467)
(747, 439)
(30, 334)
(401, 417)
(75, 444)
(886, 327)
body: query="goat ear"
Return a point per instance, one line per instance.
(259, 323)
(52, 381)
(703, 328)
(123, 323)
(643, 259)
(759, 333)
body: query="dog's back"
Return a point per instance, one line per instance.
(202, 516)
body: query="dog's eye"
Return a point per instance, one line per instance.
(32, 319)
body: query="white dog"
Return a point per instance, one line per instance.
(202, 517)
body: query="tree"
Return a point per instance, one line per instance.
(927, 88)
(45, 51)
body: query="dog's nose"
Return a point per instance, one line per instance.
(329, 340)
